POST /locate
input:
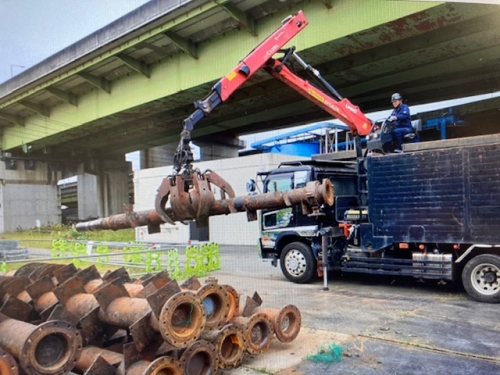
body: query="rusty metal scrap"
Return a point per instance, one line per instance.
(8, 365)
(215, 299)
(164, 328)
(258, 333)
(310, 197)
(177, 315)
(49, 348)
(199, 357)
(230, 344)
(286, 321)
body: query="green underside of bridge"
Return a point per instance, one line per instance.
(172, 76)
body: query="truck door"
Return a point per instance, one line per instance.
(290, 217)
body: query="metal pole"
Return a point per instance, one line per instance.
(323, 232)
(325, 266)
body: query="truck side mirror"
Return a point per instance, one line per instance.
(251, 186)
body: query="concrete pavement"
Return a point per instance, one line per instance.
(384, 325)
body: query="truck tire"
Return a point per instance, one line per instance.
(481, 278)
(297, 262)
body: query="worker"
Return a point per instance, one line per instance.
(400, 117)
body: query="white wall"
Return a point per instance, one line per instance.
(232, 229)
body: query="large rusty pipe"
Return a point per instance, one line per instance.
(49, 348)
(230, 344)
(90, 353)
(182, 319)
(286, 321)
(14, 286)
(215, 299)
(234, 302)
(259, 331)
(8, 365)
(160, 366)
(36, 270)
(199, 358)
(177, 315)
(312, 195)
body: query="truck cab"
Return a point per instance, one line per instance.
(289, 236)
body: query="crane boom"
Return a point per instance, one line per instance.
(189, 189)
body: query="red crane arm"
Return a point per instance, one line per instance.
(255, 60)
(342, 109)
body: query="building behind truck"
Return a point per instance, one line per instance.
(431, 213)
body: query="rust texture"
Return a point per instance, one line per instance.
(8, 365)
(49, 348)
(113, 324)
(310, 197)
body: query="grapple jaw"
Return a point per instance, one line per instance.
(191, 196)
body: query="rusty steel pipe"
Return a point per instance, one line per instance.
(286, 321)
(199, 358)
(8, 365)
(35, 270)
(160, 366)
(178, 316)
(234, 302)
(49, 348)
(215, 299)
(258, 332)
(230, 344)
(310, 197)
(14, 286)
(89, 355)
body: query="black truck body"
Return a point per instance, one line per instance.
(431, 212)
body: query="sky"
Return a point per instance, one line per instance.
(32, 30)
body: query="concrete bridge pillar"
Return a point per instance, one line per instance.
(213, 147)
(103, 188)
(159, 156)
(28, 194)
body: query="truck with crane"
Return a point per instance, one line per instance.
(432, 213)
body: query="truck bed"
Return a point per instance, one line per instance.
(446, 194)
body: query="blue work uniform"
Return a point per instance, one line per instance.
(403, 125)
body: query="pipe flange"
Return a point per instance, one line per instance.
(234, 302)
(231, 345)
(216, 303)
(182, 319)
(199, 358)
(164, 365)
(8, 365)
(287, 323)
(259, 331)
(52, 348)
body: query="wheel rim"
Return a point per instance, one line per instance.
(485, 278)
(295, 263)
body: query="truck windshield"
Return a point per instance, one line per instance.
(286, 181)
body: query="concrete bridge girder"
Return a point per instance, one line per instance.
(367, 51)
(137, 96)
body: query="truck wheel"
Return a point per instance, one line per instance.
(297, 262)
(481, 278)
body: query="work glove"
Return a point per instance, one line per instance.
(393, 118)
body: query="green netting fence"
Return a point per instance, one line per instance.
(198, 260)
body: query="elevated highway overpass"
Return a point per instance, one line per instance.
(128, 86)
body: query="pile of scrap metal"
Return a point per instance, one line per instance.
(55, 319)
